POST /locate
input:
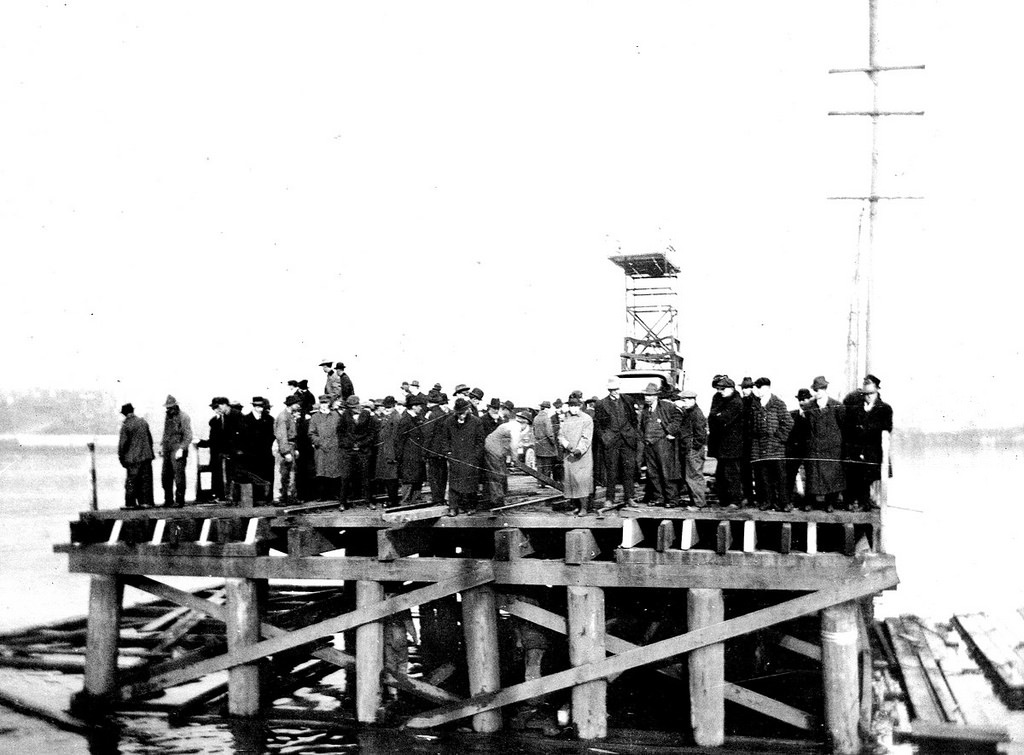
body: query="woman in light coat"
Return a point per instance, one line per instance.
(575, 435)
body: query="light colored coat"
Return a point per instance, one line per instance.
(576, 433)
(323, 434)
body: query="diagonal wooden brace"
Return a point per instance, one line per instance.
(659, 651)
(473, 577)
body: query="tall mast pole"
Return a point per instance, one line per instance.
(868, 271)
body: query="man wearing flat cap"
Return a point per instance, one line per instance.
(502, 442)
(725, 443)
(357, 433)
(796, 448)
(693, 437)
(824, 417)
(256, 442)
(772, 426)
(135, 452)
(868, 431)
(659, 427)
(174, 447)
(615, 423)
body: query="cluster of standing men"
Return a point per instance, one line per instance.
(336, 447)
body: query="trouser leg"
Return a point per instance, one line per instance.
(495, 480)
(167, 478)
(695, 477)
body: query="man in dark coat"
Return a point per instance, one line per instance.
(433, 447)
(409, 449)
(385, 466)
(693, 437)
(345, 382)
(796, 444)
(305, 471)
(615, 423)
(659, 427)
(772, 426)
(824, 417)
(256, 442)
(545, 441)
(868, 431)
(357, 432)
(464, 440)
(492, 417)
(135, 452)
(746, 461)
(174, 448)
(725, 443)
(323, 438)
(223, 445)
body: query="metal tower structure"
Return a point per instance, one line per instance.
(652, 318)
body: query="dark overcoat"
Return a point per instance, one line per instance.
(356, 434)
(465, 443)
(136, 442)
(224, 432)
(387, 453)
(693, 431)
(862, 433)
(824, 447)
(670, 419)
(772, 425)
(725, 426)
(409, 449)
(433, 438)
(615, 422)
(256, 442)
(323, 435)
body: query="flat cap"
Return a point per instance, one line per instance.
(818, 383)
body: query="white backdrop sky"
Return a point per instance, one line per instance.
(206, 198)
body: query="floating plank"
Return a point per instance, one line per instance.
(658, 651)
(996, 653)
(940, 689)
(969, 687)
(958, 732)
(24, 702)
(473, 577)
(162, 621)
(919, 691)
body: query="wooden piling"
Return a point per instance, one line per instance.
(369, 654)
(480, 626)
(100, 683)
(705, 607)
(586, 625)
(243, 628)
(839, 675)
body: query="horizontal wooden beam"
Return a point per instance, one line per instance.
(770, 707)
(658, 651)
(734, 570)
(471, 577)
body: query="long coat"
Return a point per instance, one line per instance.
(136, 442)
(224, 433)
(545, 442)
(356, 434)
(725, 428)
(465, 443)
(387, 453)
(772, 426)
(323, 434)
(862, 434)
(615, 422)
(824, 447)
(256, 441)
(670, 419)
(409, 449)
(433, 438)
(576, 434)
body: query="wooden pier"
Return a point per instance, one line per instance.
(579, 579)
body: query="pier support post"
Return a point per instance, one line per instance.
(586, 625)
(839, 673)
(369, 654)
(105, 593)
(480, 626)
(243, 628)
(705, 607)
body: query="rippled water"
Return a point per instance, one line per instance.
(956, 528)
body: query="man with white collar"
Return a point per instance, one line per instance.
(772, 424)
(868, 435)
(615, 423)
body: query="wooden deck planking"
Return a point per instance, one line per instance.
(915, 681)
(996, 653)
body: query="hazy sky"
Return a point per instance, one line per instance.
(206, 198)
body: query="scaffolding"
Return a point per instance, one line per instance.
(652, 318)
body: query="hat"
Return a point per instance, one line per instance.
(576, 394)
(761, 382)
(508, 405)
(411, 401)
(236, 405)
(726, 382)
(558, 403)
(819, 383)
(803, 394)
(716, 380)
(217, 401)
(461, 404)
(389, 401)
(574, 401)
(304, 384)
(415, 383)
(614, 384)
(747, 383)
(293, 383)
(477, 394)
(127, 409)
(324, 399)
(688, 394)
(444, 397)
(405, 383)
(293, 399)
(593, 400)
(326, 363)
(437, 387)
(869, 378)
(354, 401)
(339, 366)
(171, 401)
(524, 415)
(260, 401)
(652, 389)
(461, 388)
(495, 403)
(434, 397)
(545, 404)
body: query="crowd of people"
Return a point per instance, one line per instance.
(336, 446)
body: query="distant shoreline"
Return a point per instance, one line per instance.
(40, 440)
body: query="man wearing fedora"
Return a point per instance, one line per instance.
(135, 452)
(868, 431)
(174, 446)
(492, 417)
(659, 426)
(409, 448)
(256, 442)
(286, 431)
(222, 442)
(386, 466)
(357, 433)
(725, 442)
(824, 417)
(433, 450)
(615, 424)
(463, 441)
